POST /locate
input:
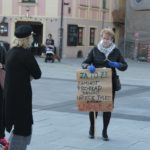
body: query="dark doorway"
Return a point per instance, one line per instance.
(38, 34)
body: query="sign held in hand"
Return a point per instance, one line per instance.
(94, 90)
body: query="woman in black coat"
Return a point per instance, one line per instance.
(105, 54)
(21, 67)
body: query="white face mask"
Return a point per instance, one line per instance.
(106, 43)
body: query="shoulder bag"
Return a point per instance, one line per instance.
(117, 83)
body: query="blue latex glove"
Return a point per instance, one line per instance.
(91, 68)
(114, 64)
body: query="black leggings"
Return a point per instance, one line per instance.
(106, 116)
(106, 119)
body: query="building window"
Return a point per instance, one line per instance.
(3, 29)
(92, 36)
(28, 1)
(69, 10)
(72, 35)
(104, 4)
(80, 35)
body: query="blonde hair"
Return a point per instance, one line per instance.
(108, 31)
(23, 42)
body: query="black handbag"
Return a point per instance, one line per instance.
(117, 83)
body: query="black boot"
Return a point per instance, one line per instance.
(106, 120)
(91, 132)
(92, 124)
(104, 135)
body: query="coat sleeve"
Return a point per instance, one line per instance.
(88, 60)
(122, 61)
(33, 66)
(2, 55)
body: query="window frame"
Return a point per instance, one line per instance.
(105, 4)
(80, 36)
(3, 29)
(72, 35)
(28, 1)
(92, 36)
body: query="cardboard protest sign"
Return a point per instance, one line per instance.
(94, 90)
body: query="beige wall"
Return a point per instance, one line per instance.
(52, 8)
(71, 51)
(51, 22)
(7, 8)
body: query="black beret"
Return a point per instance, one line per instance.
(23, 31)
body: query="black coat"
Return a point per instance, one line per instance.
(20, 66)
(2, 55)
(49, 42)
(98, 59)
(2, 61)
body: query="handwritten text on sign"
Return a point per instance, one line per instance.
(94, 90)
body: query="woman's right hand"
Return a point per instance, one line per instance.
(91, 68)
(114, 64)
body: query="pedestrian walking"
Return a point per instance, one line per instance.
(21, 67)
(105, 54)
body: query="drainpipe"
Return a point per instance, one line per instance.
(61, 29)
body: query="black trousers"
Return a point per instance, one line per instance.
(2, 115)
(106, 117)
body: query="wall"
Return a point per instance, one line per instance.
(48, 13)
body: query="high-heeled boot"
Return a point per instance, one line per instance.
(106, 120)
(91, 132)
(104, 135)
(92, 124)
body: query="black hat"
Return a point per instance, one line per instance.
(23, 31)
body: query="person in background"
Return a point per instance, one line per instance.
(3, 141)
(35, 45)
(21, 67)
(105, 54)
(50, 42)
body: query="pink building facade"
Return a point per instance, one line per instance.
(82, 21)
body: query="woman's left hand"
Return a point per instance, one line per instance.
(114, 64)
(91, 68)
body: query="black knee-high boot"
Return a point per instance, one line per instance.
(92, 124)
(106, 120)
